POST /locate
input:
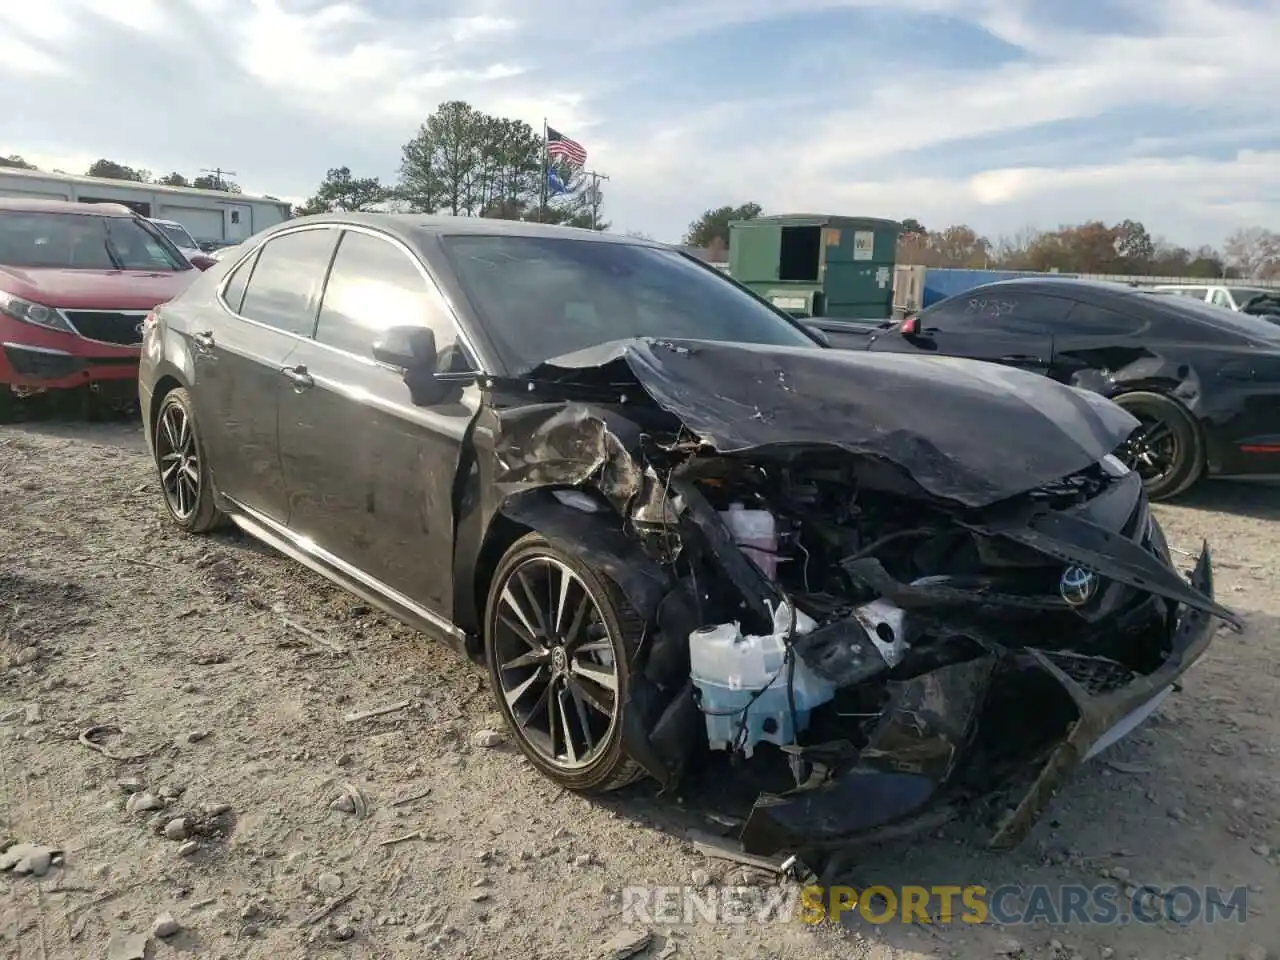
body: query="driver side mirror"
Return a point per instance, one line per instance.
(408, 348)
(202, 261)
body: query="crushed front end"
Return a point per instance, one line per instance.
(931, 658)
(861, 636)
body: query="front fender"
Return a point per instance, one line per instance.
(598, 538)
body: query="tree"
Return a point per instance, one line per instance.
(715, 223)
(339, 191)
(1254, 252)
(209, 182)
(1135, 246)
(174, 179)
(956, 246)
(467, 163)
(16, 162)
(110, 170)
(912, 225)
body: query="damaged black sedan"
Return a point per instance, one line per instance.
(842, 594)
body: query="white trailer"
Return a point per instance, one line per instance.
(213, 217)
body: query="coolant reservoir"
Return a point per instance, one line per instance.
(756, 533)
(729, 669)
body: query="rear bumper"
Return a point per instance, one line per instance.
(917, 769)
(37, 359)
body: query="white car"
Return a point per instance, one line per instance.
(1233, 297)
(179, 236)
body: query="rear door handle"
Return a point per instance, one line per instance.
(301, 379)
(1020, 358)
(204, 339)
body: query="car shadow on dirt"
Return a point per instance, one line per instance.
(1259, 499)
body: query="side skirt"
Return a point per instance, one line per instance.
(355, 581)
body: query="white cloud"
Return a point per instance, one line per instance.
(283, 89)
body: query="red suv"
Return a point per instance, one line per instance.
(76, 281)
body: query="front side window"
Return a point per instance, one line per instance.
(374, 285)
(543, 297)
(79, 241)
(284, 290)
(996, 311)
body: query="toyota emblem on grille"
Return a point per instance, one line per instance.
(1078, 586)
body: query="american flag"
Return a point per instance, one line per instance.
(560, 146)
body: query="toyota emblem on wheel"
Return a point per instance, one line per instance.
(1078, 586)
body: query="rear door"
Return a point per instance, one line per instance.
(370, 474)
(1014, 328)
(268, 302)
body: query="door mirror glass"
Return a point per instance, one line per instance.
(408, 348)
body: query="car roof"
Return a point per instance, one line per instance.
(33, 205)
(411, 227)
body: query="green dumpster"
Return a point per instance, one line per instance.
(813, 265)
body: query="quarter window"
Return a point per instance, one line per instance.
(374, 285)
(284, 290)
(233, 292)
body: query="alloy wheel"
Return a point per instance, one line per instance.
(555, 663)
(178, 458)
(1154, 449)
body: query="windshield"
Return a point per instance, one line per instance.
(178, 234)
(543, 297)
(80, 241)
(1229, 320)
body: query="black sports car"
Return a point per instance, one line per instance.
(1204, 381)
(676, 527)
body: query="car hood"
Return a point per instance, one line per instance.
(95, 289)
(972, 432)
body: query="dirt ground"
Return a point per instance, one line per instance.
(220, 675)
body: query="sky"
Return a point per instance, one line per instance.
(1002, 114)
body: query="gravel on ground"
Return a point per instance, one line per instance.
(194, 750)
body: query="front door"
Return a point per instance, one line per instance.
(370, 474)
(267, 303)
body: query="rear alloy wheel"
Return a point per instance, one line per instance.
(558, 642)
(180, 460)
(1166, 450)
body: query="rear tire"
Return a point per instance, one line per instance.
(557, 636)
(8, 405)
(1167, 451)
(182, 466)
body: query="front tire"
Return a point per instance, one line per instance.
(1166, 451)
(182, 466)
(559, 639)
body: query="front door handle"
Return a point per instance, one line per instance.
(1020, 358)
(203, 339)
(301, 379)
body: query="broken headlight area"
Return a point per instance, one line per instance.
(862, 657)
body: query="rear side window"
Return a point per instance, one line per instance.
(1087, 320)
(233, 292)
(284, 290)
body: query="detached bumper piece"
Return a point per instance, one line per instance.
(918, 767)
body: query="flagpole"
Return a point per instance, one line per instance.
(542, 193)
